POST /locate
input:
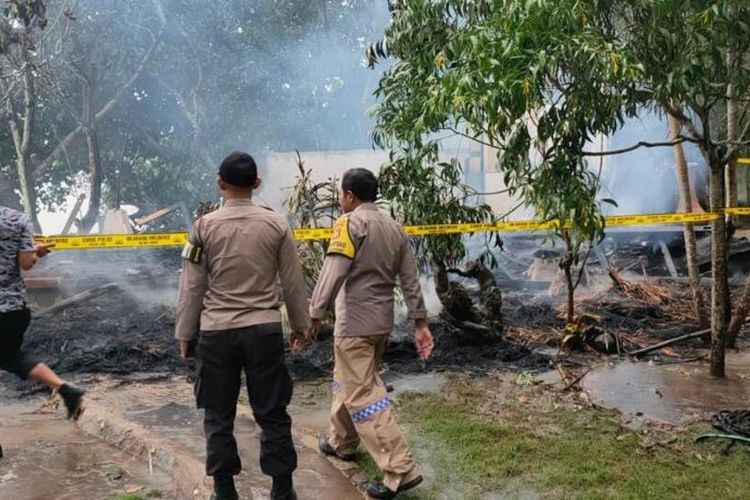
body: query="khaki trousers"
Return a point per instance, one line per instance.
(361, 409)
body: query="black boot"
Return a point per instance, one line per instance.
(376, 489)
(224, 488)
(326, 449)
(283, 489)
(73, 398)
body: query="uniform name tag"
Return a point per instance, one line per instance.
(341, 240)
(192, 253)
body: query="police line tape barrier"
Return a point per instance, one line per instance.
(75, 242)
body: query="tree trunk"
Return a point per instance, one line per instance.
(740, 313)
(22, 138)
(567, 266)
(730, 179)
(8, 196)
(719, 282)
(691, 247)
(94, 158)
(731, 167)
(28, 197)
(73, 135)
(95, 193)
(570, 313)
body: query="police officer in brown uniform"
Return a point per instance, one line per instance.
(229, 303)
(368, 252)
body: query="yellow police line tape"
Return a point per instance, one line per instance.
(75, 242)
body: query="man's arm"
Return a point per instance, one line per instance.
(409, 280)
(29, 252)
(193, 286)
(27, 260)
(332, 277)
(408, 275)
(342, 250)
(293, 284)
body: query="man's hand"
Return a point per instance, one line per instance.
(312, 333)
(423, 340)
(298, 341)
(187, 350)
(42, 249)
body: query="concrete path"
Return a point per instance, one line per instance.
(157, 421)
(49, 458)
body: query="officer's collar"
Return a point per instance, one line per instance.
(238, 202)
(366, 206)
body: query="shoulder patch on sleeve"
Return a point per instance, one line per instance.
(192, 253)
(193, 249)
(341, 239)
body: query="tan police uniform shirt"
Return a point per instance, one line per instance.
(367, 253)
(231, 270)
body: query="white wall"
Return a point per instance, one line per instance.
(279, 170)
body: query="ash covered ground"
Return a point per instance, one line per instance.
(129, 329)
(120, 333)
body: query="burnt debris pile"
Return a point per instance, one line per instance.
(112, 333)
(450, 354)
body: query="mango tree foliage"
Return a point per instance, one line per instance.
(532, 79)
(696, 66)
(423, 189)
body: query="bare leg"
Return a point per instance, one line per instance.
(44, 374)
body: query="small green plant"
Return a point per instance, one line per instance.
(524, 378)
(312, 205)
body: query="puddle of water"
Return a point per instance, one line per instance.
(171, 414)
(424, 383)
(672, 393)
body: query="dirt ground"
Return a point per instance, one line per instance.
(46, 457)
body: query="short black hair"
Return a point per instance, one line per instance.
(362, 183)
(239, 169)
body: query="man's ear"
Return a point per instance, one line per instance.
(220, 182)
(258, 183)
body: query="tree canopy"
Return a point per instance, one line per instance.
(540, 80)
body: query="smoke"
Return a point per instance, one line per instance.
(146, 276)
(432, 303)
(271, 75)
(645, 180)
(263, 77)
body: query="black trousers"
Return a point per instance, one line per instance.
(222, 355)
(12, 357)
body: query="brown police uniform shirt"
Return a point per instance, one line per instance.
(367, 253)
(231, 270)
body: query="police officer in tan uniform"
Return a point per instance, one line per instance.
(368, 252)
(229, 303)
